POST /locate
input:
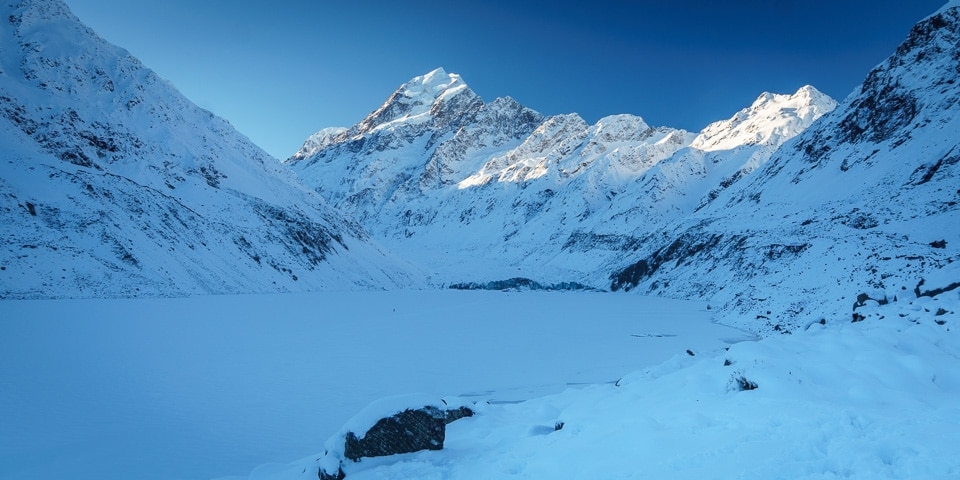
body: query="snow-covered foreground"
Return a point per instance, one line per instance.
(205, 387)
(875, 399)
(239, 387)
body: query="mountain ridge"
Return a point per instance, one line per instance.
(116, 185)
(795, 197)
(474, 192)
(523, 202)
(863, 203)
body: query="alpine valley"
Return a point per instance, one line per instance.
(793, 209)
(119, 186)
(785, 282)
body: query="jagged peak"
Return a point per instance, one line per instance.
(318, 141)
(622, 120)
(619, 128)
(770, 120)
(811, 92)
(941, 26)
(807, 94)
(417, 98)
(907, 90)
(436, 78)
(431, 86)
(508, 107)
(506, 102)
(564, 121)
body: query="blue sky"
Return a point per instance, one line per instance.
(280, 71)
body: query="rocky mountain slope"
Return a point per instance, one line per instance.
(114, 184)
(484, 192)
(775, 217)
(860, 208)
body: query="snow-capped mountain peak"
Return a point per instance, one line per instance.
(432, 84)
(521, 188)
(322, 139)
(419, 100)
(771, 119)
(620, 127)
(430, 131)
(863, 204)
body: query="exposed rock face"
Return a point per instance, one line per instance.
(405, 432)
(337, 475)
(454, 414)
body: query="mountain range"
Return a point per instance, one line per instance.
(435, 173)
(860, 206)
(794, 208)
(116, 185)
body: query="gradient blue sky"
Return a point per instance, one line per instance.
(279, 71)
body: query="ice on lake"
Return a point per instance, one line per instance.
(196, 388)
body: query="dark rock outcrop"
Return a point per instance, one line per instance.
(519, 284)
(410, 430)
(455, 414)
(405, 432)
(338, 475)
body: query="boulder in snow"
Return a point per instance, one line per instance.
(408, 431)
(391, 426)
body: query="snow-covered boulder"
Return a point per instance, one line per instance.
(391, 426)
(408, 431)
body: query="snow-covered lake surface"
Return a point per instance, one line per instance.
(205, 387)
(875, 398)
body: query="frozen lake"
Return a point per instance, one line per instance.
(205, 387)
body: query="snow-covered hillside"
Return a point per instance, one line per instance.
(479, 192)
(114, 184)
(864, 204)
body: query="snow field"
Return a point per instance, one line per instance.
(196, 388)
(875, 399)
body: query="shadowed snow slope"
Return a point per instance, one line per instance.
(863, 202)
(114, 184)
